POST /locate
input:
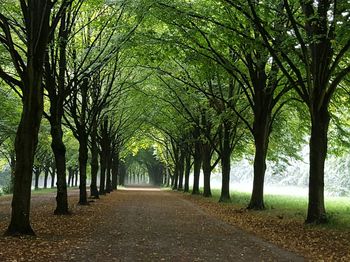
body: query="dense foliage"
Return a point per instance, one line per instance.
(109, 91)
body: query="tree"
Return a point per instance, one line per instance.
(38, 26)
(94, 73)
(239, 50)
(315, 66)
(55, 83)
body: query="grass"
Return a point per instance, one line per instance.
(295, 207)
(43, 191)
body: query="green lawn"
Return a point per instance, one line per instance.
(44, 191)
(295, 207)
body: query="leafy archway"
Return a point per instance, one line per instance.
(144, 168)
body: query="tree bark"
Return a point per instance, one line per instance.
(176, 151)
(102, 174)
(94, 163)
(225, 165)
(261, 130)
(318, 151)
(94, 170)
(115, 170)
(104, 157)
(70, 176)
(176, 177)
(196, 168)
(53, 175)
(181, 170)
(76, 174)
(37, 172)
(36, 17)
(171, 178)
(261, 143)
(25, 145)
(83, 158)
(59, 151)
(46, 176)
(206, 166)
(56, 114)
(108, 173)
(187, 172)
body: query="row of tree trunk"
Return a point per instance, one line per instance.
(49, 171)
(136, 178)
(199, 152)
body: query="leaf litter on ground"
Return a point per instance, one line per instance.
(313, 242)
(59, 234)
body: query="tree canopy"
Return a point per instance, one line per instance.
(170, 89)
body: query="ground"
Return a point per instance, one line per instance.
(143, 225)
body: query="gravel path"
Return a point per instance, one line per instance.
(153, 225)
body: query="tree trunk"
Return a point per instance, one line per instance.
(94, 163)
(25, 146)
(108, 173)
(171, 178)
(206, 166)
(46, 176)
(70, 176)
(187, 172)
(115, 170)
(225, 165)
(261, 132)
(257, 198)
(176, 176)
(102, 174)
(57, 111)
(196, 168)
(59, 151)
(181, 170)
(108, 181)
(94, 170)
(37, 27)
(53, 175)
(36, 174)
(176, 151)
(83, 158)
(318, 151)
(76, 173)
